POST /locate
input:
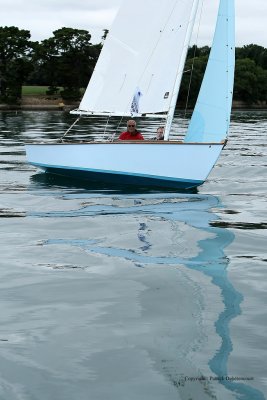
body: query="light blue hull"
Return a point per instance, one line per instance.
(169, 164)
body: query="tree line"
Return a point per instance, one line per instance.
(65, 62)
(250, 84)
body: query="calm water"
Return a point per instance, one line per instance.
(114, 293)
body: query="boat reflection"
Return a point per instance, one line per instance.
(196, 211)
(213, 262)
(47, 180)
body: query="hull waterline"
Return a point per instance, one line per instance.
(120, 178)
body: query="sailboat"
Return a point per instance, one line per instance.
(138, 75)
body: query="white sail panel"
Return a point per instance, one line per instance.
(140, 58)
(211, 116)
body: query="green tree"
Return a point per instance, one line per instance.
(67, 59)
(253, 52)
(15, 55)
(250, 81)
(250, 74)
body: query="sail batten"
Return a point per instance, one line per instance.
(141, 53)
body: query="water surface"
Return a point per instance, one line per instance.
(114, 292)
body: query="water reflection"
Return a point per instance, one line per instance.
(213, 262)
(196, 212)
(47, 180)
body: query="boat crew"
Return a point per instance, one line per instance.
(131, 133)
(160, 133)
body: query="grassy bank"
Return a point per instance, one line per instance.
(34, 90)
(39, 90)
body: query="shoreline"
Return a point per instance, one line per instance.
(36, 107)
(42, 103)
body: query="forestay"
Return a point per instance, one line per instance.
(142, 58)
(211, 116)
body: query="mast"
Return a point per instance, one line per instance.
(180, 71)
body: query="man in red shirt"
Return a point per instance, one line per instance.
(131, 133)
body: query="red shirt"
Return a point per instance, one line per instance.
(128, 136)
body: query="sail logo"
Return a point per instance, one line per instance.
(135, 101)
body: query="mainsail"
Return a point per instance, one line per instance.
(145, 50)
(211, 116)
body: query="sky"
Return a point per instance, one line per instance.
(42, 17)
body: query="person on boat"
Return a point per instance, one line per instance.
(131, 133)
(160, 133)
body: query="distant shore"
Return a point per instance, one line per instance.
(41, 102)
(54, 103)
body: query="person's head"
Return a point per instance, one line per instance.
(160, 133)
(131, 126)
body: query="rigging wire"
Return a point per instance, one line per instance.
(106, 125)
(74, 123)
(114, 134)
(193, 63)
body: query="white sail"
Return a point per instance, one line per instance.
(142, 55)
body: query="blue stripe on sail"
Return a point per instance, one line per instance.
(211, 117)
(89, 172)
